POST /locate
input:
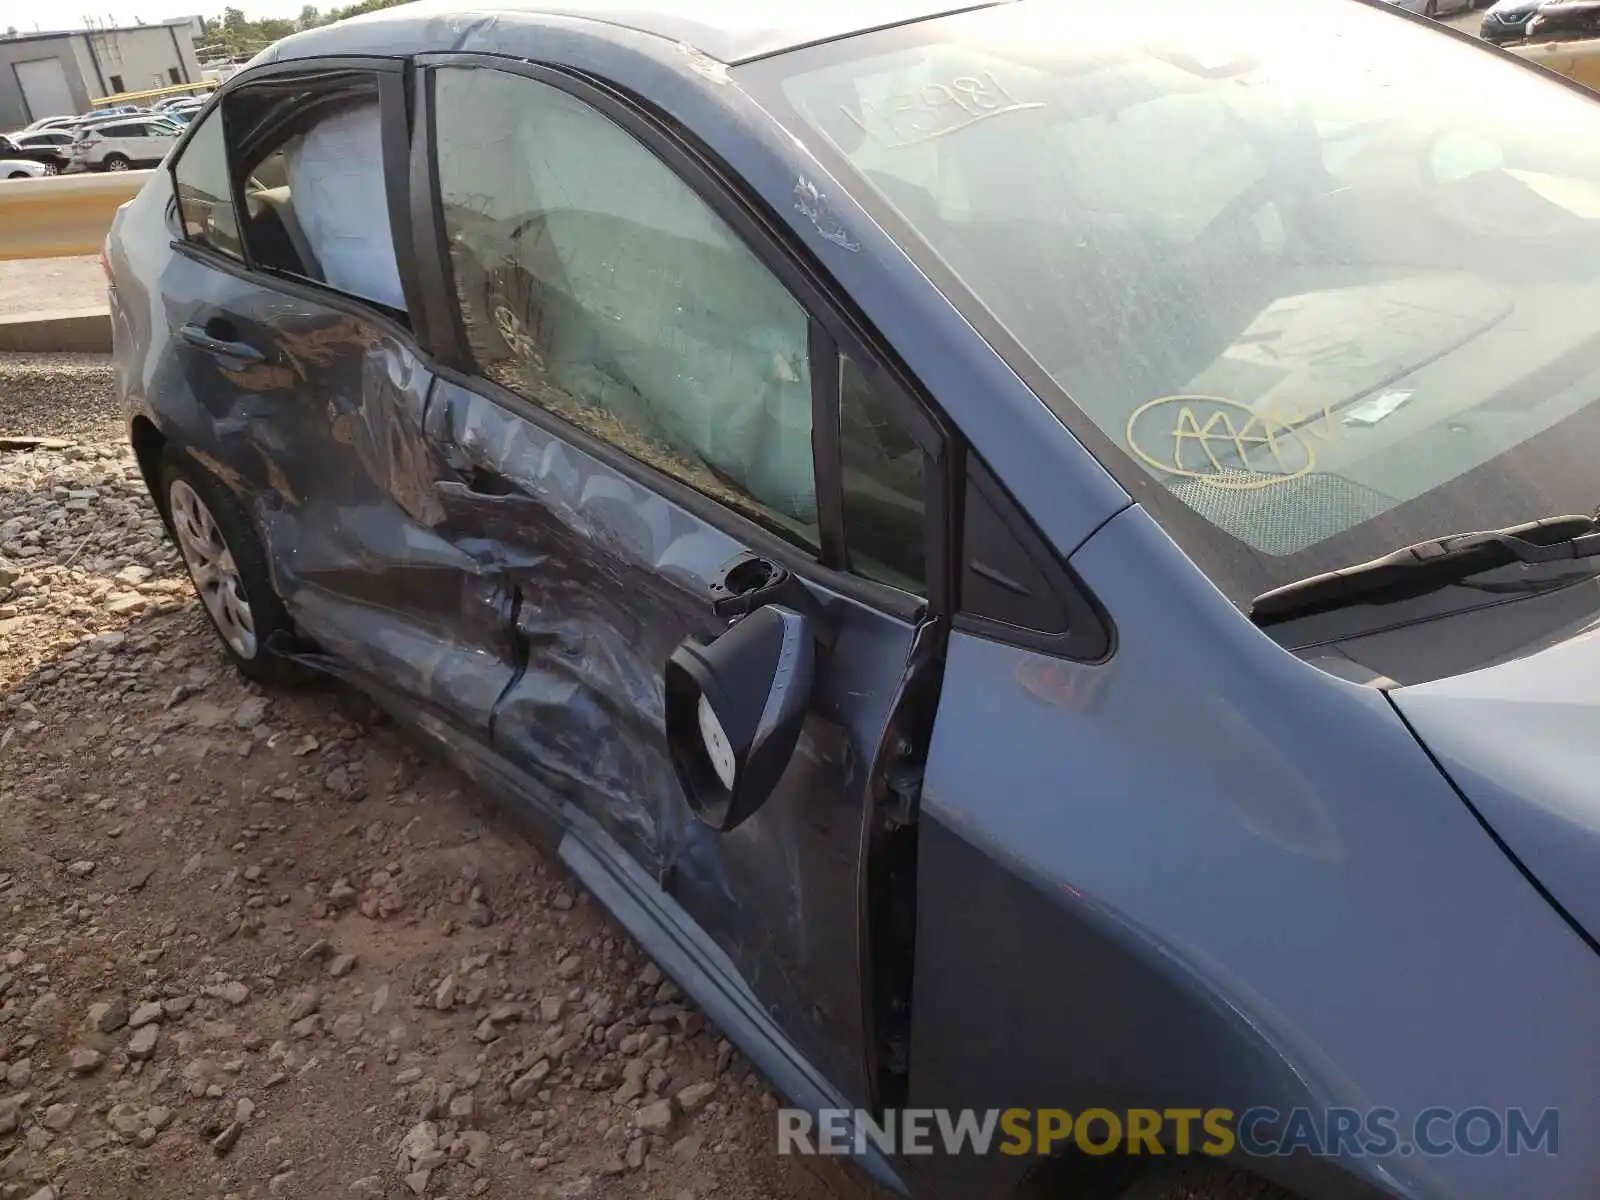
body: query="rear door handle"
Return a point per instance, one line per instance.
(197, 337)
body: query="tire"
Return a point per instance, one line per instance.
(19, 175)
(115, 162)
(228, 568)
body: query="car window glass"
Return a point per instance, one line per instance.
(882, 482)
(595, 283)
(205, 200)
(315, 200)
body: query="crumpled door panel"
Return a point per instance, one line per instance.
(609, 578)
(323, 440)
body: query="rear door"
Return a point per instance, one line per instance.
(650, 392)
(295, 344)
(157, 138)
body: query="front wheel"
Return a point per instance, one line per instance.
(116, 162)
(228, 568)
(19, 175)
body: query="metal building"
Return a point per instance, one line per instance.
(55, 74)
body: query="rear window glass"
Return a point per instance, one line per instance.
(205, 198)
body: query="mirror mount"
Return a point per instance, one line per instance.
(750, 581)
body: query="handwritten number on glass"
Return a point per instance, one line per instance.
(936, 110)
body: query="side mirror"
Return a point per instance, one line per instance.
(734, 710)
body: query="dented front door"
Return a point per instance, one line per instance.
(609, 576)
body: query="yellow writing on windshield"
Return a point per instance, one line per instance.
(1225, 444)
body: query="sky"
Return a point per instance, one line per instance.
(27, 15)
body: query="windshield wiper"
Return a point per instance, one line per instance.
(1428, 566)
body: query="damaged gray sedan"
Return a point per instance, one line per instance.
(1039, 562)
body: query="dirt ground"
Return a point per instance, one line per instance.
(254, 944)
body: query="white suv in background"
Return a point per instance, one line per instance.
(118, 145)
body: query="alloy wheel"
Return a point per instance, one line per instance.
(211, 566)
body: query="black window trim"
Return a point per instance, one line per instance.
(834, 322)
(392, 77)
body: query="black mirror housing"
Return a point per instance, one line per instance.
(734, 710)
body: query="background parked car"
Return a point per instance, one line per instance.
(1507, 20)
(50, 147)
(58, 122)
(22, 168)
(121, 145)
(1434, 8)
(1569, 19)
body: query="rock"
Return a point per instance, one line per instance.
(463, 1108)
(686, 1147)
(19, 1072)
(280, 1183)
(108, 1016)
(302, 1004)
(417, 1181)
(250, 712)
(650, 976)
(421, 1139)
(551, 1008)
(506, 1013)
(477, 1143)
(83, 868)
(146, 1014)
(408, 1076)
(694, 1097)
(58, 1116)
(84, 1060)
(243, 1109)
(44, 1010)
(228, 1138)
(233, 992)
(306, 1026)
(631, 1089)
(367, 1185)
(635, 1158)
(176, 1006)
(179, 694)
(654, 1118)
(570, 967)
(347, 1027)
(125, 1119)
(341, 965)
(10, 1115)
(526, 1085)
(45, 1193)
(444, 996)
(314, 955)
(158, 1116)
(143, 1042)
(487, 1031)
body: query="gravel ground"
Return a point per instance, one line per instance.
(253, 945)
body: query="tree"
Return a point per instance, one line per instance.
(235, 35)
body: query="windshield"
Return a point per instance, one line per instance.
(1313, 279)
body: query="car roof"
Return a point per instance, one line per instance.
(731, 31)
